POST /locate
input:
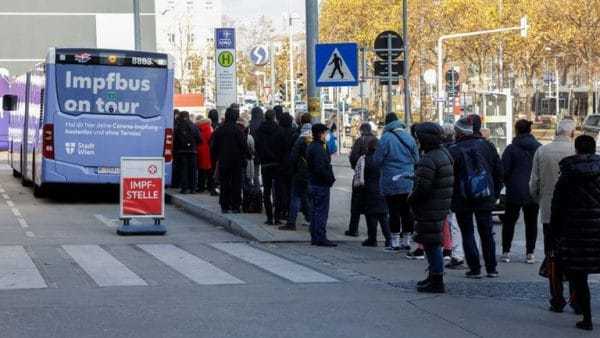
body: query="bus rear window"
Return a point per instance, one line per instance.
(94, 89)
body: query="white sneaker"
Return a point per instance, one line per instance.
(530, 259)
(505, 257)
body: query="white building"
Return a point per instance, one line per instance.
(186, 28)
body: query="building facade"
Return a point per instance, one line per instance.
(29, 27)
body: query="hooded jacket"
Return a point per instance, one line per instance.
(204, 160)
(575, 219)
(255, 120)
(396, 160)
(229, 146)
(517, 161)
(268, 142)
(434, 181)
(359, 148)
(213, 115)
(298, 163)
(289, 135)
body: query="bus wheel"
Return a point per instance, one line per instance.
(39, 191)
(16, 174)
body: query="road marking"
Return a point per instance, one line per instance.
(17, 270)
(23, 223)
(104, 269)
(276, 265)
(194, 268)
(29, 234)
(114, 222)
(2, 190)
(5, 196)
(10, 203)
(16, 212)
(343, 189)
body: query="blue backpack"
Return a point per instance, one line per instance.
(476, 182)
(332, 143)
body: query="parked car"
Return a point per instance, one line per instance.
(591, 125)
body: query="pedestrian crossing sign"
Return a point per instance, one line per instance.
(336, 65)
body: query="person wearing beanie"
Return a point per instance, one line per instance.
(321, 180)
(359, 148)
(478, 180)
(396, 156)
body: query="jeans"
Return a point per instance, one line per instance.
(320, 213)
(530, 213)
(579, 280)
(486, 234)
(435, 259)
(231, 188)
(187, 171)
(400, 214)
(270, 181)
(372, 220)
(300, 201)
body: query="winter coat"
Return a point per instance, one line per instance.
(395, 160)
(545, 172)
(517, 161)
(575, 219)
(299, 166)
(256, 120)
(269, 145)
(434, 182)
(359, 148)
(289, 136)
(186, 137)
(319, 165)
(372, 201)
(213, 115)
(204, 160)
(229, 147)
(492, 164)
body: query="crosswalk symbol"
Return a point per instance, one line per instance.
(336, 69)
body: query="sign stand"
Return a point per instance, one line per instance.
(141, 196)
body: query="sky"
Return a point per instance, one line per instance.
(274, 9)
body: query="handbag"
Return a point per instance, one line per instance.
(358, 180)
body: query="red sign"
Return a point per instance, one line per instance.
(142, 187)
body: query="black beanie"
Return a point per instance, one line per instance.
(391, 117)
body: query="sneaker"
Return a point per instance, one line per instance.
(530, 259)
(404, 247)
(392, 248)
(288, 227)
(326, 243)
(416, 254)
(447, 254)
(505, 258)
(492, 274)
(473, 274)
(454, 263)
(351, 234)
(369, 243)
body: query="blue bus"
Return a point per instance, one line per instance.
(75, 115)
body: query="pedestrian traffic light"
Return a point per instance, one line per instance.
(452, 83)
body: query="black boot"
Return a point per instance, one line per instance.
(424, 281)
(435, 285)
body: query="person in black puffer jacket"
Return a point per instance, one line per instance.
(290, 134)
(517, 161)
(575, 221)
(430, 201)
(359, 149)
(187, 137)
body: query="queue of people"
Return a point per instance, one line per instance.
(428, 188)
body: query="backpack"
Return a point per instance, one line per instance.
(332, 143)
(475, 180)
(252, 199)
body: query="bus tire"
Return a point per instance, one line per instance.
(39, 191)
(16, 174)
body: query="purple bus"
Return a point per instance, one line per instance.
(75, 115)
(4, 89)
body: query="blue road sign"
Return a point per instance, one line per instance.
(337, 64)
(259, 55)
(225, 38)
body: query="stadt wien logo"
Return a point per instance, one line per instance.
(70, 148)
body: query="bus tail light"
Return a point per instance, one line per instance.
(48, 141)
(168, 145)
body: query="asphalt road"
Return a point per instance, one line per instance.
(65, 273)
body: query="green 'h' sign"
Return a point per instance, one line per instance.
(226, 59)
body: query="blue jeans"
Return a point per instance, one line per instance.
(434, 258)
(486, 234)
(320, 213)
(299, 201)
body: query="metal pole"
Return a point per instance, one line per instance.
(557, 87)
(312, 38)
(440, 83)
(291, 52)
(136, 25)
(389, 65)
(501, 50)
(272, 54)
(407, 112)
(361, 88)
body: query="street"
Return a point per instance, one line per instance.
(65, 273)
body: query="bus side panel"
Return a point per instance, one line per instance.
(4, 89)
(36, 84)
(16, 126)
(168, 109)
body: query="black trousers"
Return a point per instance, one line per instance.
(511, 216)
(579, 280)
(556, 274)
(231, 188)
(206, 180)
(400, 214)
(372, 220)
(187, 171)
(356, 210)
(270, 178)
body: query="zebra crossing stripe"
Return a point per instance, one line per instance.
(194, 268)
(17, 270)
(276, 265)
(102, 267)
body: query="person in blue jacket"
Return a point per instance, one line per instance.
(396, 157)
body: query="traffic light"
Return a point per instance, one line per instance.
(452, 83)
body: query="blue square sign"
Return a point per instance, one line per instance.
(336, 64)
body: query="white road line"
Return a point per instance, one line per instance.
(281, 267)
(10, 203)
(194, 268)
(16, 212)
(104, 269)
(5, 196)
(17, 270)
(29, 234)
(343, 189)
(23, 223)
